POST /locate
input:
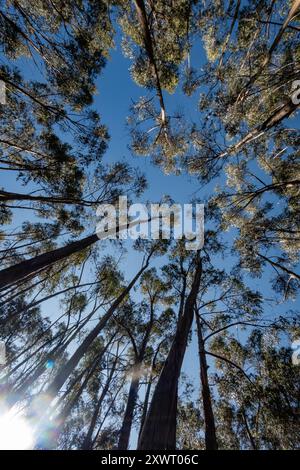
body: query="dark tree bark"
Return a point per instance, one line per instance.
(145, 404)
(210, 428)
(148, 390)
(134, 387)
(128, 416)
(249, 433)
(159, 430)
(9, 196)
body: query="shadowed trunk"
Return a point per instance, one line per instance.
(249, 433)
(134, 386)
(210, 428)
(145, 405)
(9, 196)
(148, 390)
(159, 430)
(128, 416)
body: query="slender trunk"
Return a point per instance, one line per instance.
(148, 390)
(277, 117)
(291, 15)
(249, 433)
(128, 416)
(182, 293)
(9, 196)
(159, 430)
(87, 443)
(146, 403)
(134, 386)
(113, 400)
(143, 20)
(280, 266)
(210, 428)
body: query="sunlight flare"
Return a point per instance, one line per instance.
(15, 433)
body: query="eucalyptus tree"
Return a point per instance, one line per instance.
(261, 414)
(87, 398)
(265, 211)
(29, 268)
(98, 399)
(70, 40)
(157, 38)
(252, 52)
(189, 426)
(66, 47)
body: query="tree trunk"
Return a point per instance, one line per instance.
(145, 405)
(60, 419)
(9, 196)
(134, 387)
(34, 266)
(210, 428)
(143, 20)
(159, 430)
(87, 443)
(148, 390)
(276, 118)
(249, 433)
(128, 416)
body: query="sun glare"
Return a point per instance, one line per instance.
(15, 433)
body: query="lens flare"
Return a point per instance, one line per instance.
(15, 433)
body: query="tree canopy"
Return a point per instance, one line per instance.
(144, 344)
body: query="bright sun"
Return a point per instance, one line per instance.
(15, 433)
